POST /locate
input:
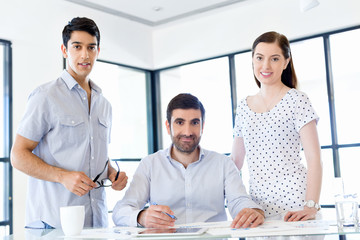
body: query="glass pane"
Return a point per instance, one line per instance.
(309, 62)
(209, 81)
(4, 231)
(345, 50)
(2, 114)
(349, 168)
(327, 192)
(125, 89)
(245, 81)
(114, 196)
(2, 192)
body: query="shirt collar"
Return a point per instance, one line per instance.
(201, 153)
(71, 82)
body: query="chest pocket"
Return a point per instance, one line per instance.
(104, 126)
(73, 129)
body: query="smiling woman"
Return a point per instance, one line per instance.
(270, 129)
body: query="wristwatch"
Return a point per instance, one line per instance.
(312, 204)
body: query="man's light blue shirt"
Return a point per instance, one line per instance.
(195, 194)
(72, 137)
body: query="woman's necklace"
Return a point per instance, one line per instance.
(267, 106)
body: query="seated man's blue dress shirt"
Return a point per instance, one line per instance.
(195, 194)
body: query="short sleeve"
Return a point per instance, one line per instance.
(35, 122)
(304, 111)
(238, 119)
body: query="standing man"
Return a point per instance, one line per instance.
(62, 140)
(186, 182)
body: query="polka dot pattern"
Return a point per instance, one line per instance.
(272, 142)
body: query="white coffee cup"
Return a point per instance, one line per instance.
(72, 219)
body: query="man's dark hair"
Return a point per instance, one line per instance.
(80, 24)
(184, 101)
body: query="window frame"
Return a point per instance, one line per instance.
(7, 98)
(151, 93)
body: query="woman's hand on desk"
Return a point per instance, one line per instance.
(248, 217)
(155, 217)
(302, 215)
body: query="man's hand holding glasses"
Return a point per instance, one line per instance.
(116, 179)
(76, 182)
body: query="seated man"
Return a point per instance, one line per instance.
(186, 180)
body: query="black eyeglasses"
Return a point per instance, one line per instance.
(105, 182)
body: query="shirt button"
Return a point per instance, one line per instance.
(92, 137)
(72, 122)
(92, 157)
(92, 200)
(84, 98)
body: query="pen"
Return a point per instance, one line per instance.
(172, 216)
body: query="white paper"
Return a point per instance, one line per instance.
(277, 227)
(109, 233)
(222, 224)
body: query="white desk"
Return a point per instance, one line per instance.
(57, 233)
(324, 232)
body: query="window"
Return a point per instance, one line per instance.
(125, 89)
(5, 139)
(309, 63)
(349, 166)
(2, 65)
(208, 81)
(345, 50)
(245, 81)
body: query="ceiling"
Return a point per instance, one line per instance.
(155, 12)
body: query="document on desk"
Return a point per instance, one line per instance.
(107, 233)
(275, 228)
(223, 224)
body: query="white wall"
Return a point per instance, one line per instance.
(236, 28)
(34, 28)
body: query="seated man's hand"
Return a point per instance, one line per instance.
(155, 217)
(248, 217)
(121, 181)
